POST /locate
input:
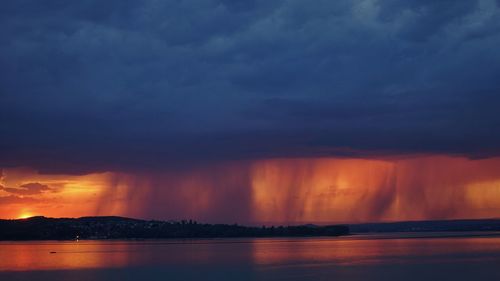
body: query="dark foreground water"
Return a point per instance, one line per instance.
(382, 257)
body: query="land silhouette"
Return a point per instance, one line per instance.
(112, 227)
(42, 228)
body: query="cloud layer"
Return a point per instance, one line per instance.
(32, 188)
(120, 85)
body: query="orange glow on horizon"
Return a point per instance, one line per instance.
(25, 215)
(67, 195)
(318, 190)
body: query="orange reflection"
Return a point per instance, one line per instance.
(371, 250)
(63, 255)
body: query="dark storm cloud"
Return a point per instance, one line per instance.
(99, 85)
(426, 18)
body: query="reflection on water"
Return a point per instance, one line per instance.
(53, 255)
(263, 257)
(347, 252)
(68, 255)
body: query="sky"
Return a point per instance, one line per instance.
(242, 105)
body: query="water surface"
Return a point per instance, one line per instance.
(366, 257)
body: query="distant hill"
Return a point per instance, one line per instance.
(42, 228)
(428, 226)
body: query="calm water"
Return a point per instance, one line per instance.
(385, 257)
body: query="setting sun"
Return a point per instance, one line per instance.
(25, 215)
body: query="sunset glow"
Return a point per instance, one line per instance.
(25, 215)
(271, 191)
